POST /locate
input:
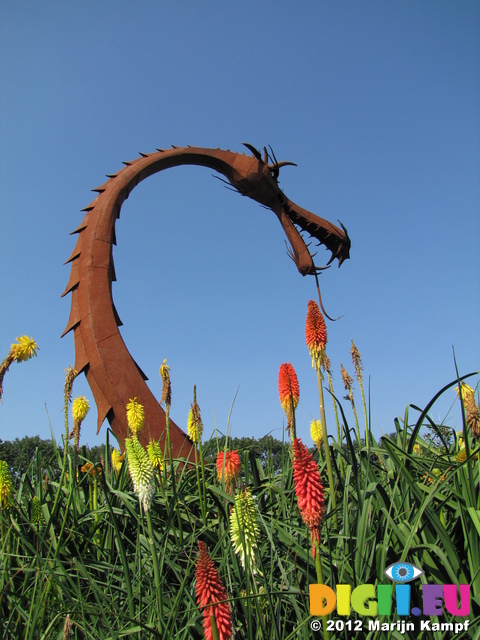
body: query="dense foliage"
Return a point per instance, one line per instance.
(94, 546)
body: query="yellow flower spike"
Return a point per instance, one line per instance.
(135, 416)
(194, 423)
(80, 408)
(416, 449)
(117, 460)
(471, 409)
(466, 391)
(155, 454)
(25, 349)
(6, 486)
(244, 530)
(141, 471)
(316, 433)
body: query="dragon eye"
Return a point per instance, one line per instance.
(402, 572)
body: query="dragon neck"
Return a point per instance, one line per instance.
(112, 373)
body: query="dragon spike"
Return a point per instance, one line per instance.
(255, 152)
(101, 188)
(89, 207)
(265, 155)
(343, 227)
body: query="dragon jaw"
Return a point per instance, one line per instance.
(335, 239)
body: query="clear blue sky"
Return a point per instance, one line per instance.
(379, 105)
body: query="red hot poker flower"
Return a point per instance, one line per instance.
(288, 390)
(232, 466)
(308, 489)
(210, 591)
(315, 333)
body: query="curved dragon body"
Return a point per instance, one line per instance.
(113, 375)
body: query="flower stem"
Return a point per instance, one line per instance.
(367, 440)
(204, 482)
(156, 570)
(355, 415)
(201, 495)
(172, 472)
(318, 566)
(213, 624)
(335, 410)
(328, 459)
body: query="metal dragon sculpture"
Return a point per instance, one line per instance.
(113, 375)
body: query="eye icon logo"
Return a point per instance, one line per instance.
(402, 572)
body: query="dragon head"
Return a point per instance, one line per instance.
(257, 178)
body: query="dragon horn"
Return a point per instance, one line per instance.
(285, 163)
(273, 155)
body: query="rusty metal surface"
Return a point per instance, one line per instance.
(113, 375)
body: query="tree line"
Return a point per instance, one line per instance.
(20, 453)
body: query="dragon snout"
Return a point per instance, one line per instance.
(343, 251)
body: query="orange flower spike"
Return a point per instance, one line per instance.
(288, 390)
(315, 333)
(232, 466)
(308, 489)
(210, 591)
(92, 470)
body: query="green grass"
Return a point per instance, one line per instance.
(113, 571)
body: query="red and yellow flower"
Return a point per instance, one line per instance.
(315, 333)
(210, 594)
(288, 391)
(228, 467)
(308, 489)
